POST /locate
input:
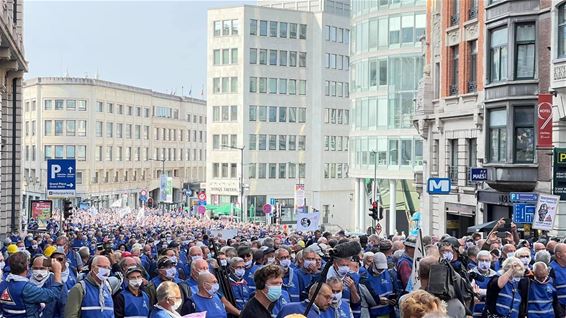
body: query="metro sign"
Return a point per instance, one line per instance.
(439, 185)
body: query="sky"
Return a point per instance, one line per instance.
(160, 45)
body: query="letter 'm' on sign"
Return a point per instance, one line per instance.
(55, 169)
(438, 186)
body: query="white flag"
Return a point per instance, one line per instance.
(308, 221)
(414, 283)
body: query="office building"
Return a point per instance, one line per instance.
(122, 138)
(386, 66)
(279, 104)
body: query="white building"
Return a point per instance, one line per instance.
(278, 88)
(121, 136)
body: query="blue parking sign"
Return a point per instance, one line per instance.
(61, 178)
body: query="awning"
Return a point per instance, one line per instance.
(485, 227)
(460, 209)
(223, 209)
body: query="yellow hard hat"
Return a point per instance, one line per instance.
(301, 244)
(49, 250)
(12, 248)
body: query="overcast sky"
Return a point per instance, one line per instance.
(152, 44)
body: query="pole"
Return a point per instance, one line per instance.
(242, 205)
(374, 184)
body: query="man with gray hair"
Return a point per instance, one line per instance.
(168, 301)
(543, 256)
(240, 289)
(207, 299)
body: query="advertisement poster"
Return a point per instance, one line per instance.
(544, 121)
(545, 213)
(41, 212)
(169, 190)
(308, 222)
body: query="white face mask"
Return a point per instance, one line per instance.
(135, 283)
(39, 274)
(177, 304)
(271, 260)
(170, 272)
(239, 272)
(510, 254)
(336, 297)
(223, 262)
(103, 273)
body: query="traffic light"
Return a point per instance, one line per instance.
(374, 211)
(67, 209)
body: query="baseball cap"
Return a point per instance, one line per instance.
(133, 269)
(244, 251)
(385, 245)
(380, 261)
(165, 262)
(268, 250)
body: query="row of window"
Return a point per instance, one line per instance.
(224, 141)
(513, 129)
(455, 76)
(336, 116)
(224, 113)
(336, 143)
(336, 61)
(278, 29)
(121, 110)
(335, 170)
(397, 73)
(278, 57)
(225, 56)
(269, 170)
(456, 6)
(29, 125)
(393, 32)
(62, 104)
(119, 153)
(277, 142)
(65, 128)
(384, 113)
(30, 153)
(224, 85)
(33, 106)
(127, 131)
(275, 114)
(383, 151)
(524, 66)
(284, 86)
(226, 27)
(63, 152)
(225, 170)
(336, 89)
(336, 34)
(366, 6)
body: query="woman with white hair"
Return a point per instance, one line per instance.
(503, 298)
(481, 274)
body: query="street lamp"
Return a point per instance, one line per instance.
(242, 205)
(374, 153)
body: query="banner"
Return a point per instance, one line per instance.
(308, 222)
(41, 212)
(163, 188)
(544, 121)
(299, 197)
(169, 190)
(226, 234)
(545, 213)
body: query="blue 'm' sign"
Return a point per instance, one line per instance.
(478, 174)
(523, 213)
(61, 178)
(438, 185)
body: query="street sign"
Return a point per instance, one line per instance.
(201, 210)
(439, 185)
(188, 192)
(201, 202)
(523, 197)
(61, 178)
(202, 196)
(559, 173)
(523, 213)
(272, 201)
(478, 174)
(267, 208)
(378, 229)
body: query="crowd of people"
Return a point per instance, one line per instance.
(168, 264)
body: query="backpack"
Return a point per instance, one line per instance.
(188, 306)
(448, 284)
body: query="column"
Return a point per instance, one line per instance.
(356, 205)
(361, 204)
(392, 206)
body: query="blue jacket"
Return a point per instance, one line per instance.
(291, 285)
(19, 298)
(508, 300)
(135, 306)
(91, 306)
(305, 280)
(342, 310)
(213, 306)
(379, 285)
(159, 313)
(249, 276)
(482, 282)
(559, 281)
(240, 290)
(541, 297)
(280, 303)
(55, 309)
(299, 308)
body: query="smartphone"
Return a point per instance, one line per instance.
(47, 262)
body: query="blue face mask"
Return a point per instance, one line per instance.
(273, 293)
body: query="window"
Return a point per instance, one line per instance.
(524, 134)
(561, 35)
(233, 84)
(473, 62)
(273, 29)
(303, 32)
(302, 115)
(455, 12)
(110, 108)
(81, 128)
(282, 171)
(525, 51)
(282, 142)
(235, 27)
(59, 104)
(394, 30)
(59, 127)
(59, 152)
(454, 70)
(302, 143)
(393, 152)
(282, 114)
(498, 55)
(252, 170)
(272, 114)
(253, 56)
(292, 114)
(217, 28)
(226, 27)
(48, 152)
(252, 113)
(302, 87)
(282, 86)
(81, 153)
(262, 142)
(216, 57)
(292, 30)
(472, 152)
(497, 135)
(252, 142)
(262, 28)
(407, 30)
(262, 170)
(253, 84)
(272, 142)
(302, 59)
(71, 104)
(253, 27)
(71, 128)
(262, 85)
(292, 142)
(272, 57)
(282, 58)
(272, 86)
(109, 130)
(283, 29)
(272, 170)
(48, 128)
(47, 104)
(262, 113)
(292, 87)
(225, 56)
(263, 56)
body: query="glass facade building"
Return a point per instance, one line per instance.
(386, 67)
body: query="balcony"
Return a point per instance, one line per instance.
(508, 177)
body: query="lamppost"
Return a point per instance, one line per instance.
(374, 153)
(241, 185)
